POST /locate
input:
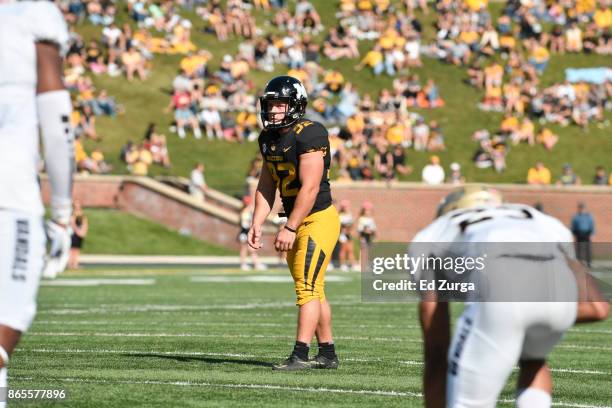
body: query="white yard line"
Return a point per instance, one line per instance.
(273, 387)
(220, 336)
(198, 353)
(237, 386)
(97, 282)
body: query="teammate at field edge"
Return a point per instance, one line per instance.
(296, 156)
(477, 383)
(33, 37)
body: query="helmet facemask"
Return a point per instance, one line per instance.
(270, 116)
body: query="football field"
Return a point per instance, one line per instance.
(194, 337)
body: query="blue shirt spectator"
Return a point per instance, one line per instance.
(583, 225)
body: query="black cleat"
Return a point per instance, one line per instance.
(320, 361)
(293, 363)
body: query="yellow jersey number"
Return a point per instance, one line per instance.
(283, 174)
(300, 126)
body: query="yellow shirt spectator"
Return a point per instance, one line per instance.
(383, 5)
(355, 124)
(538, 175)
(79, 151)
(540, 54)
(365, 5)
(387, 40)
(395, 134)
(475, 5)
(507, 41)
(585, 6)
(299, 74)
(603, 18)
(334, 80)
(239, 68)
(190, 64)
(468, 37)
(372, 58)
(509, 124)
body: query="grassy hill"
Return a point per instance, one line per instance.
(113, 232)
(227, 163)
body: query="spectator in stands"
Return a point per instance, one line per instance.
(347, 252)
(433, 173)
(366, 226)
(455, 177)
(547, 138)
(383, 162)
(197, 182)
(159, 150)
(600, 178)
(183, 115)
(79, 226)
(568, 177)
(134, 63)
(583, 228)
(139, 160)
(88, 123)
(104, 104)
(539, 175)
(399, 161)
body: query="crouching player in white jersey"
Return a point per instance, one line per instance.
(491, 337)
(33, 37)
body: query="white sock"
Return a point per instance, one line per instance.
(181, 132)
(533, 398)
(3, 386)
(197, 132)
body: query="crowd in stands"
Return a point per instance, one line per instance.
(370, 134)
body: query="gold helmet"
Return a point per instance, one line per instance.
(469, 197)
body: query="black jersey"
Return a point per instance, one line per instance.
(281, 152)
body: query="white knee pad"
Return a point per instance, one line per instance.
(533, 398)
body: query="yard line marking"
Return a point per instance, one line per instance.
(199, 353)
(257, 279)
(275, 388)
(599, 331)
(245, 386)
(246, 324)
(97, 282)
(581, 346)
(220, 335)
(104, 309)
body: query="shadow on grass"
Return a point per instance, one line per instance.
(207, 360)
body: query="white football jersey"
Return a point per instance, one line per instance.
(476, 231)
(22, 24)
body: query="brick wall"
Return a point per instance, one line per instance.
(399, 211)
(403, 210)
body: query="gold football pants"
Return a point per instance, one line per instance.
(312, 250)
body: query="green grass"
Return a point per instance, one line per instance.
(227, 163)
(118, 233)
(186, 344)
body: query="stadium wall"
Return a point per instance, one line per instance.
(400, 210)
(403, 209)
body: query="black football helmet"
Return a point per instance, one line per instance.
(283, 89)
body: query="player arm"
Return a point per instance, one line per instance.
(592, 305)
(435, 324)
(54, 109)
(265, 196)
(311, 173)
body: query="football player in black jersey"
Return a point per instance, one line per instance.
(297, 160)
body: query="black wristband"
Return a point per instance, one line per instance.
(290, 229)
